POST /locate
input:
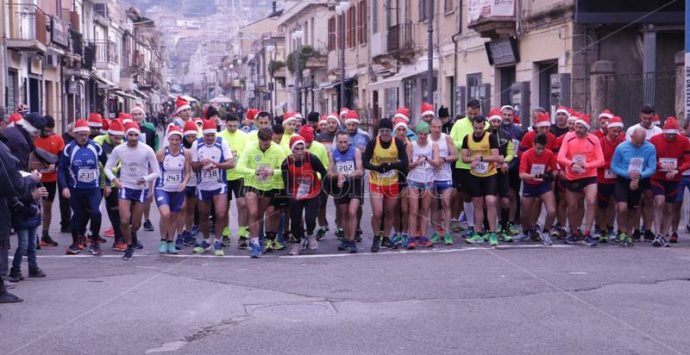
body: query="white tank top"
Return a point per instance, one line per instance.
(172, 171)
(442, 173)
(423, 173)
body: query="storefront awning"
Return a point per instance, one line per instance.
(141, 94)
(395, 80)
(103, 82)
(125, 95)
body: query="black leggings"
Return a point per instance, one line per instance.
(311, 210)
(112, 207)
(85, 205)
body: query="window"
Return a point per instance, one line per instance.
(448, 5)
(362, 22)
(374, 16)
(352, 26)
(331, 33)
(423, 10)
(474, 83)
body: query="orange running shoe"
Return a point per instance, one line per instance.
(109, 233)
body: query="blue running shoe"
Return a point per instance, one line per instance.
(202, 247)
(179, 242)
(469, 233)
(195, 230)
(189, 239)
(218, 248)
(255, 248)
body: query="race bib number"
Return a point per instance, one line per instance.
(579, 159)
(481, 167)
(389, 174)
(210, 175)
(303, 188)
(425, 164)
(87, 175)
(345, 167)
(635, 164)
(171, 179)
(668, 164)
(608, 174)
(258, 176)
(538, 169)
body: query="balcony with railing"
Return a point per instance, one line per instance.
(492, 19)
(401, 40)
(25, 26)
(106, 54)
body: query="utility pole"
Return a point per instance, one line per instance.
(430, 51)
(341, 9)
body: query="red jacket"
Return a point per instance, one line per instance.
(608, 148)
(528, 141)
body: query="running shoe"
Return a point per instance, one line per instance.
(358, 235)
(603, 239)
(163, 247)
(463, 218)
(321, 233)
(139, 245)
(493, 241)
(312, 244)
(649, 236)
(512, 229)
(179, 242)
(119, 247)
(296, 248)
(172, 248)
(255, 248)
(353, 247)
(435, 237)
(660, 241)
(81, 242)
(454, 225)
(522, 237)
(195, 230)
(226, 232)
(109, 233)
(405, 240)
(546, 239)
(218, 248)
(225, 241)
(189, 239)
(590, 240)
(47, 241)
(95, 249)
(597, 232)
(202, 247)
(411, 242)
(15, 276)
(469, 233)
(344, 245)
(674, 238)
(623, 239)
(242, 243)
(424, 242)
(268, 246)
(129, 253)
(505, 236)
(386, 242)
(148, 226)
(636, 235)
(534, 234)
(571, 240)
(72, 250)
(277, 245)
(376, 244)
(36, 272)
(447, 238)
(475, 239)
(340, 234)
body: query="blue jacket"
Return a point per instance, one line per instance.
(78, 166)
(620, 163)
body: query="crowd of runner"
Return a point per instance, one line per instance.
(483, 175)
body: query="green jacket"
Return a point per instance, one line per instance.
(462, 128)
(253, 157)
(237, 142)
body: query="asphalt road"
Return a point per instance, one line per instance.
(519, 299)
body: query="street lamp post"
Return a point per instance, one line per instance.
(297, 35)
(271, 50)
(341, 10)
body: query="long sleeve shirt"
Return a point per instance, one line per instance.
(78, 165)
(585, 151)
(628, 157)
(136, 162)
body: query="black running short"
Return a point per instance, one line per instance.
(235, 187)
(482, 186)
(623, 193)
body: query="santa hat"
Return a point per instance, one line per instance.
(344, 111)
(295, 140)
(181, 104)
(517, 120)
(495, 114)
(543, 120)
(174, 130)
(15, 119)
(323, 120)
(563, 109)
(105, 126)
(307, 132)
(132, 127)
(116, 128)
(584, 120)
(615, 121)
(507, 107)
(288, 117)
(671, 125)
(402, 113)
(298, 116)
(427, 109)
(399, 122)
(351, 117)
(190, 128)
(137, 109)
(606, 114)
(251, 114)
(656, 119)
(81, 126)
(209, 126)
(334, 116)
(95, 120)
(573, 116)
